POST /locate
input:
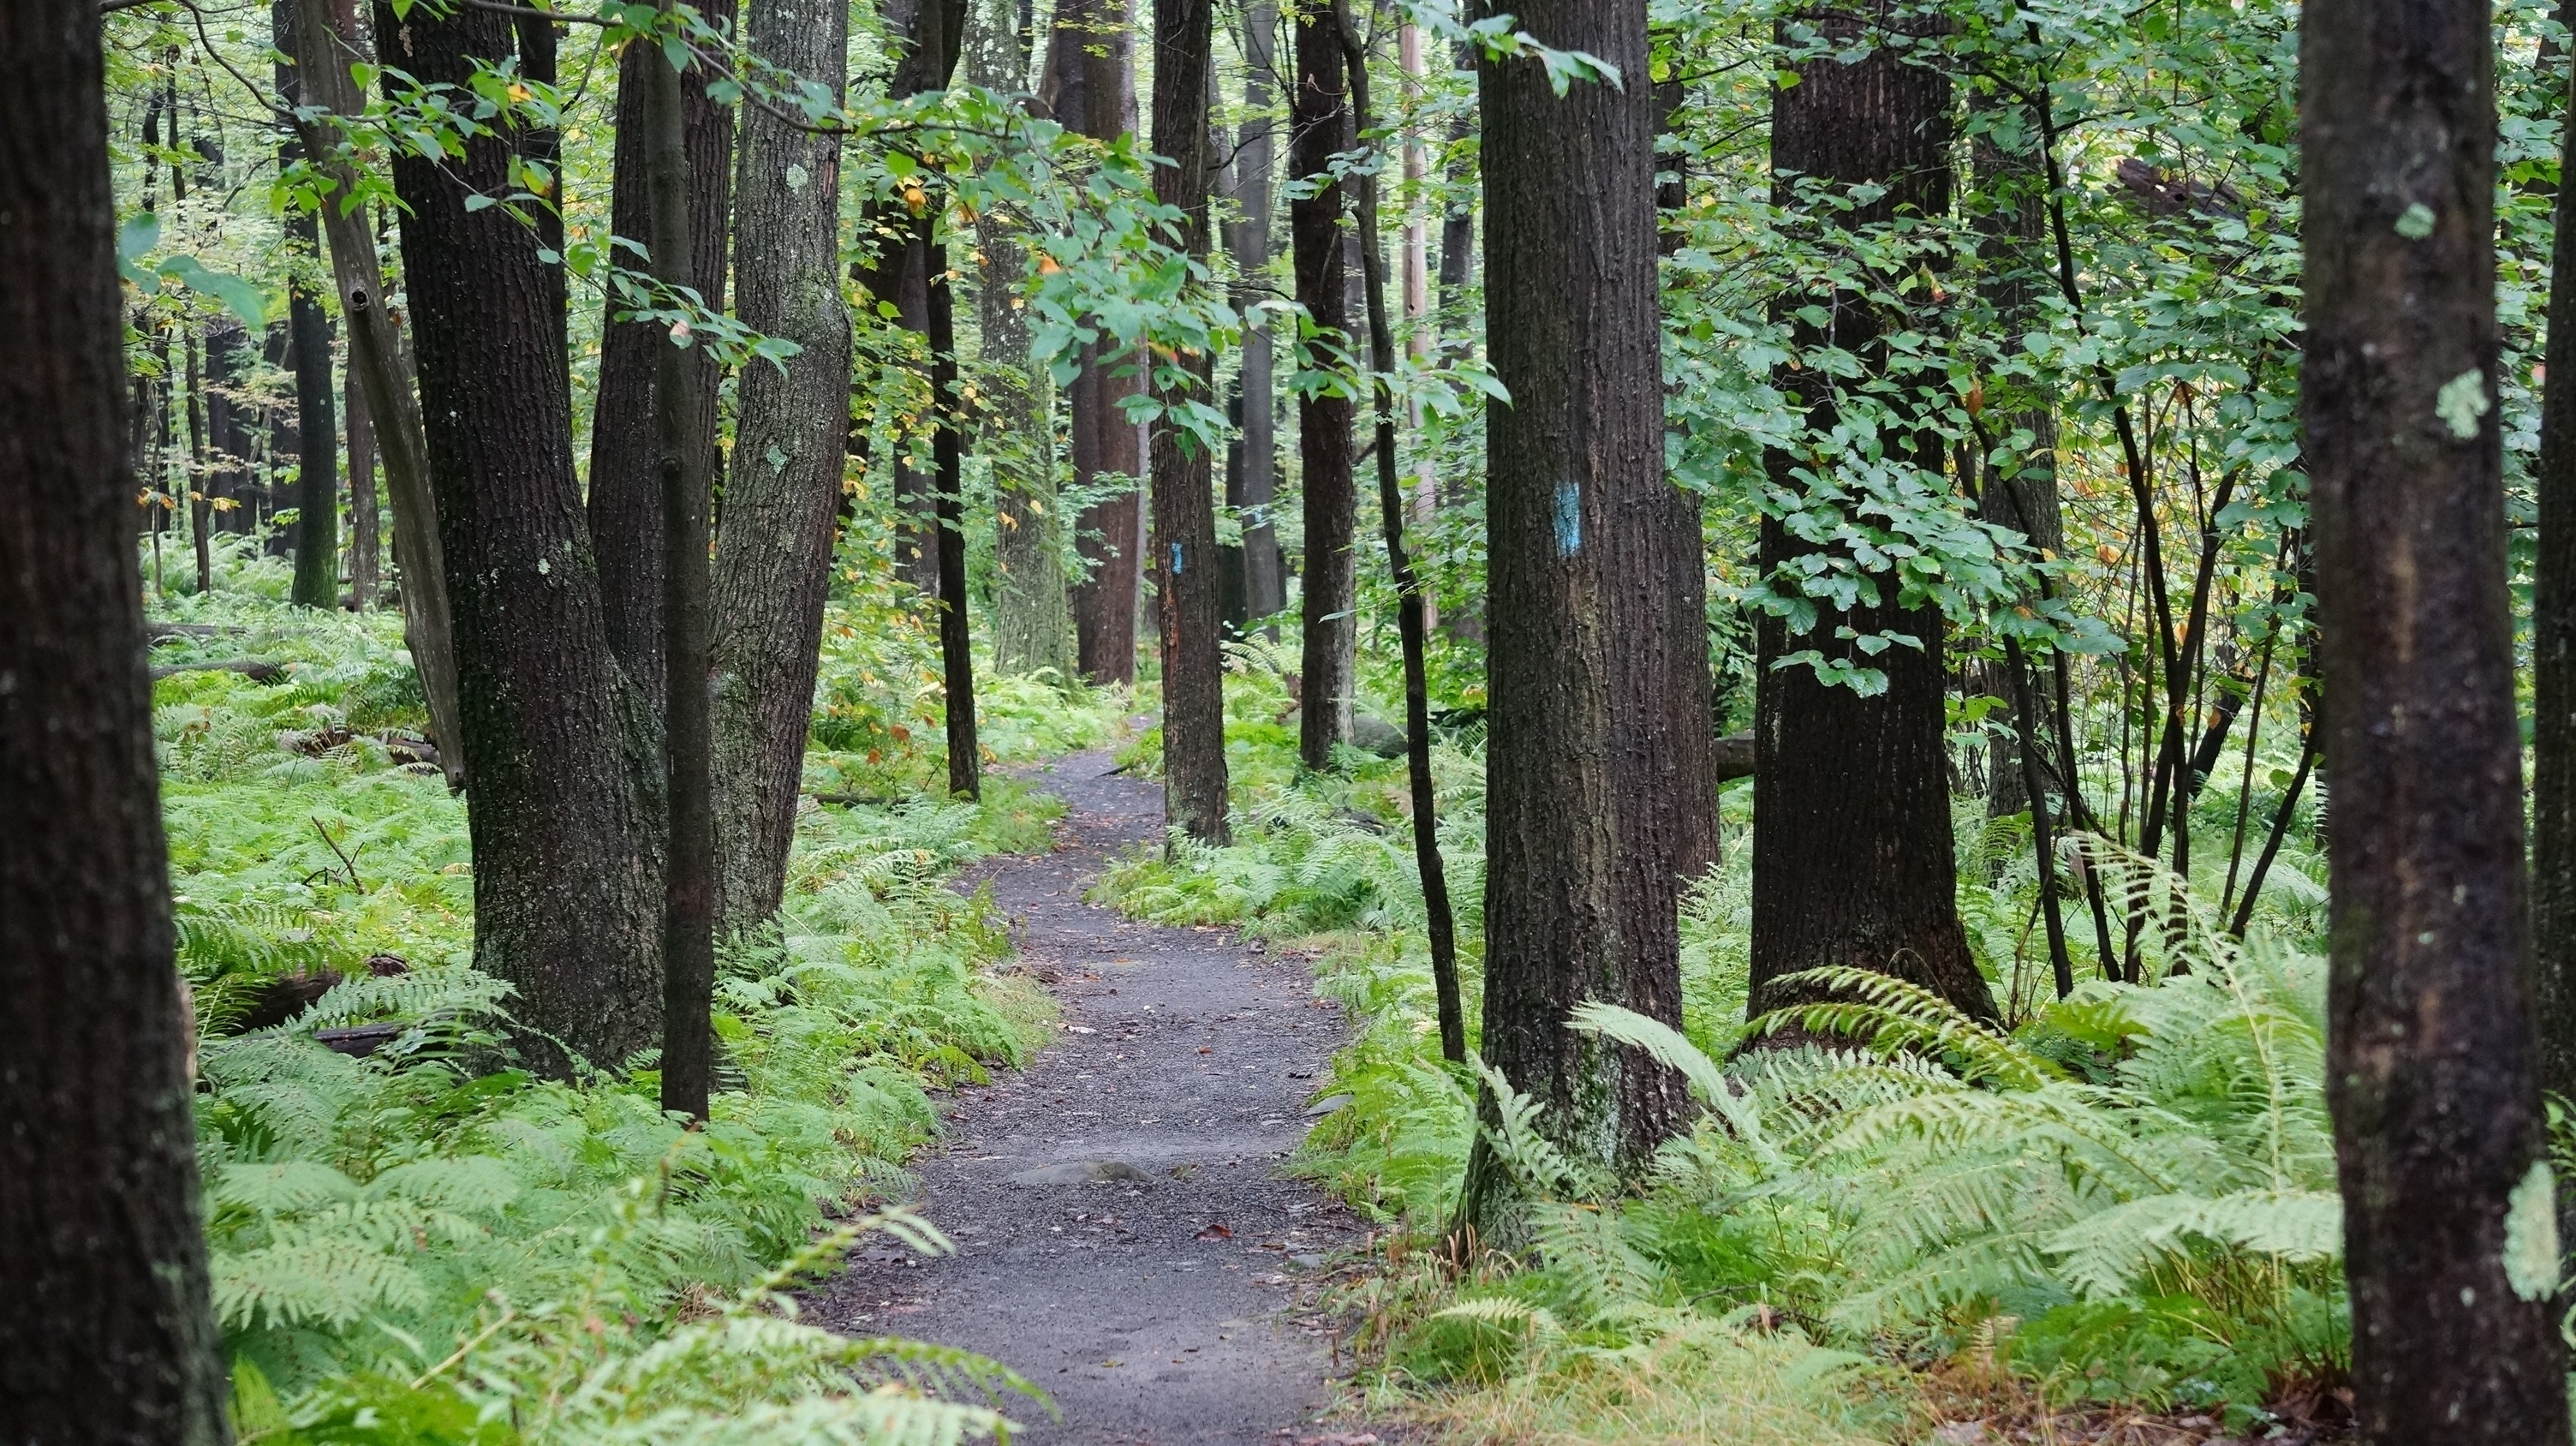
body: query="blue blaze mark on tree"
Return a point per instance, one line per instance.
(1176, 559)
(1569, 519)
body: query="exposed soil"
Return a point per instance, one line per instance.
(1126, 1237)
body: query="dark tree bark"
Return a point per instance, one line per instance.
(773, 558)
(1852, 858)
(380, 369)
(1185, 572)
(107, 1329)
(1413, 606)
(1252, 484)
(317, 459)
(625, 502)
(948, 450)
(1089, 85)
(680, 465)
(1032, 617)
(1319, 129)
(2431, 1066)
(366, 541)
(2553, 676)
(1586, 829)
(567, 816)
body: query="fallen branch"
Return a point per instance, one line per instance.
(252, 668)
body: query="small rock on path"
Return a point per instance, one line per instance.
(1126, 1238)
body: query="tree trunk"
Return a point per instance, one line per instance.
(1319, 129)
(326, 48)
(773, 562)
(317, 459)
(365, 540)
(1253, 485)
(1090, 87)
(567, 815)
(1587, 833)
(108, 1330)
(1185, 574)
(1852, 859)
(2431, 1067)
(948, 451)
(1032, 619)
(680, 465)
(625, 502)
(2553, 675)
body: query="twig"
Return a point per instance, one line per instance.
(346, 861)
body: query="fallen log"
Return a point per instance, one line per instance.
(252, 668)
(1732, 757)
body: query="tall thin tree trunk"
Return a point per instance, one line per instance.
(365, 541)
(680, 465)
(1184, 551)
(773, 562)
(948, 450)
(200, 505)
(107, 1327)
(625, 501)
(1586, 831)
(1032, 618)
(1090, 87)
(317, 459)
(1413, 606)
(2432, 1071)
(1319, 129)
(326, 48)
(567, 816)
(1254, 485)
(1852, 859)
(2553, 675)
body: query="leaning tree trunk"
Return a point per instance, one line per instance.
(107, 1328)
(1852, 855)
(1185, 573)
(1586, 829)
(625, 501)
(1320, 129)
(1090, 87)
(773, 562)
(2553, 675)
(1032, 618)
(566, 815)
(326, 48)
(2431, 1067)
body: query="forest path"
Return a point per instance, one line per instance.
(1126, 1239)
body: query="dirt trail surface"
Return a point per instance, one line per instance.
(1126, 1239)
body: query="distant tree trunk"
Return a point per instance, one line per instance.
(366, 543)
(326, 47)
(1089, 85)
(625, 502)
(1852, 859)
(1586, 830)
(567, 815)
(317, 481)
(1319, 129)
(773, 560)
(948, 450)
(1458, 226)
(2431, 1068)
(107, 1328)
(1032, 619)
(680, 464)
(200, 505)
(1185, 576)
(2553, 677)
(1253, 485)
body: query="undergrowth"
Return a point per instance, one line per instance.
(425, 1244)
(2123, 1198)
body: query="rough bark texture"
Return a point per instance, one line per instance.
(956, 646)
(106, 1333)
(1584, 830)
(1852, 860)
(366, 537)
(1320, 128)
(317, 455)
(2431, 1066)
(2553, 677)
(774, 544)
(625, 500)
(1252, 483)
(1185, 573)
(567, 808)
(1032, 619)
(1090, 86)
(326, 48)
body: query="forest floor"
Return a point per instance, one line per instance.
(1127, 1237)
